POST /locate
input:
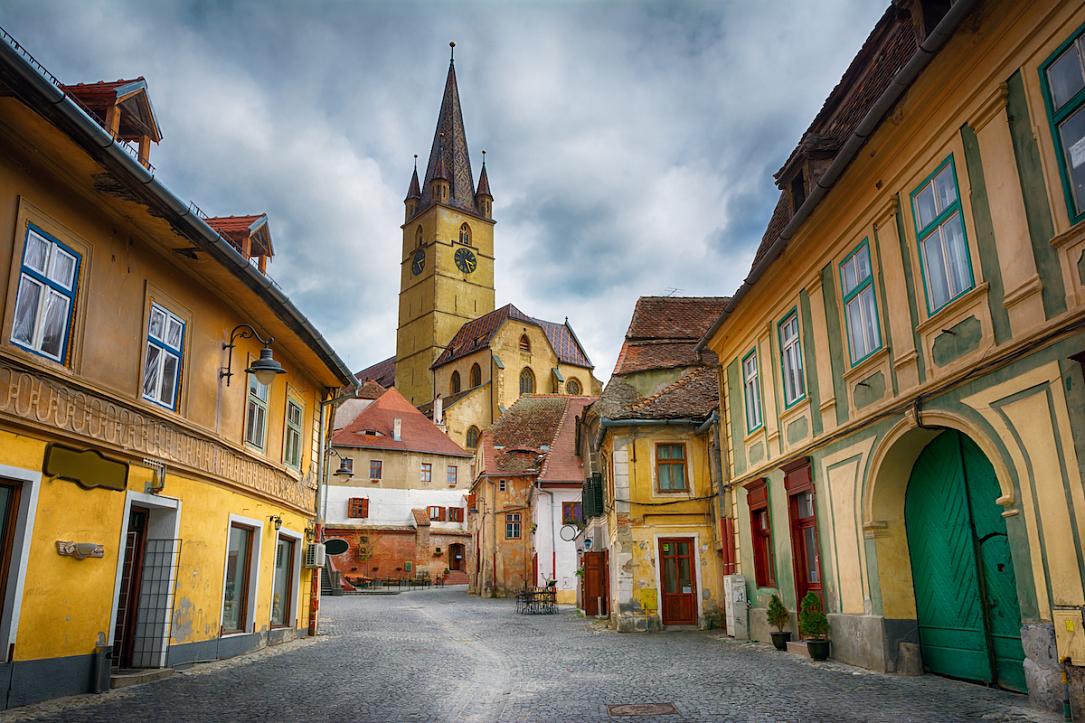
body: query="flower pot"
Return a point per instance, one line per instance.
(780, 639)
(819, 649)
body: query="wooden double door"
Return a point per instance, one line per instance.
(678, 580)
(965, 590)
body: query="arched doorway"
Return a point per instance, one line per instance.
(965, 590)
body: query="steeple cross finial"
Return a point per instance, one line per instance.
(416, 162)
(483, 157)
(452, 54)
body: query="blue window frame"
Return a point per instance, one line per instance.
(860, 304)
(791, 359)
(165, 355)
(943, 245)
(751, 390)
(45, 302)
(1062, 77)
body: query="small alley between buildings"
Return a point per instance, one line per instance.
(440, 655)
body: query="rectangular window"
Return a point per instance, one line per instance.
(860, 306)
(671, 468)
(376, 469)
(798, 481)
(943, 248)
(453, 475)
(165, 351)
(358, 507)
(292, 438)
(455, 514)
(512, 526)
(45, 300)
(256, 413)
(502, 485)
(791, 360)
(1063, 79)
(282, 590)
(761, 531)
(235, 598)
(425, 473)
(570, 513)
(436, 514)
(751, 386)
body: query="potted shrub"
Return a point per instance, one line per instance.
(814, 626)
(779, 618)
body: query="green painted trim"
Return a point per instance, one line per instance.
(793, 313)
(1056, 116)
(811, 363)
(777, 399)
(836, 357)
(832, 521)
(877, 246)
(757, 390)
(921, 234)
(913, 305)
(738, 449)
(985, 235)
(1041, 227)
(859, 288)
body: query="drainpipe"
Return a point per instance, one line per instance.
(321, 511)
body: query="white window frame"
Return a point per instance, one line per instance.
(254, 574)
(46, 285)
(253, 401)
(164, 349)
(751, 390)
(296, 429)
(299, 552)
(20, 553)
(791, 362)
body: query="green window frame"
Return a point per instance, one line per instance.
(860, 304)
(944, 255)
(751, 391)
(793, 375)
(292, 434)
(256, 413)
(1062, 78)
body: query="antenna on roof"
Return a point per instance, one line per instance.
(671, 291)
(452, 55)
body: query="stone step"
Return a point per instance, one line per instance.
(456, 577)
(125, 678)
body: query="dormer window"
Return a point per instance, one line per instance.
(798, 192)
(123, 108)
(250, 235)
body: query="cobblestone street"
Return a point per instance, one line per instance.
(439, 655)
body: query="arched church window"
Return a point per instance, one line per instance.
(573, 387)
(465, 235)
(476, 375)
(418, 237)
(472, 437)
(525, 343)
(527, 381)
(455, 383)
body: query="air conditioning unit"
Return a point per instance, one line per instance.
(315, 555)
(734, 596)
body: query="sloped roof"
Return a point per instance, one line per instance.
(133, 97)
(417, 434)
(694, 395)
(513, 445)
(664, 332)
(236, 229)
(448, 155)
(383, 372)
(562, 463)
(483, 180)
(420, 517)
(372, 389)
(478, 333)
(347, 411)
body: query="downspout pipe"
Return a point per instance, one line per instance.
(925, 52)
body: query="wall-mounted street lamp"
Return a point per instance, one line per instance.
(346, 465)
(265, 369)
(277, 521)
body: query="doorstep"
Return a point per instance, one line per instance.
(125, 678)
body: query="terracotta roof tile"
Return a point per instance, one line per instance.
(562, 464)
(513, 445)
(694, 395)
(418, 434)
(664, 332)
(383, 372)
(421, 517)
(371, 389)
(236, 229)
(478, 333)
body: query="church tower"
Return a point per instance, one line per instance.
(447, 261)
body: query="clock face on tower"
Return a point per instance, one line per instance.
(418, 262)
(466, 261)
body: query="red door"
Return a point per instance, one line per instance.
(595, 575)
(678, 580)
(804, 530)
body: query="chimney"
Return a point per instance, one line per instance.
(439, 412)
(397, 429)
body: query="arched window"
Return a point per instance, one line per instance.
(527, 381)
(525, 343)
(455, 383)
(573, 387)
(465, 235)
(418, 237)
(472, 437)
(476, 375)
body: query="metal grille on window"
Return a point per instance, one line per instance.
(157, 580)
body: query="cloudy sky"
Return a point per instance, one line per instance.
(630, 144)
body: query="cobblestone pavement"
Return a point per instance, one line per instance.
(439, 655)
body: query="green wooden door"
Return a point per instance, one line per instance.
(966, 595)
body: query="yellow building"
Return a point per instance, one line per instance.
(650, 547)
(902, 370)
(155, 496)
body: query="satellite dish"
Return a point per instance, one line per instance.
(569, 533)
(335, 546)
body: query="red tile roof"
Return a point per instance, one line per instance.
(99, 97)
(562, 463)
(514, 444)
(418, 434)
(383, 372)
(372, 389)
(236, 229)
(421, 517)
(664, 332)
(478, 333)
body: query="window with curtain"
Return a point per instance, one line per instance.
(45, 300)
(164, 354)
(791, 360)
(751, 387)
(1063, 79)
(947, 266)
(256, 413)
(860, 306)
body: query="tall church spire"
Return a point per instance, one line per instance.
(451, 150)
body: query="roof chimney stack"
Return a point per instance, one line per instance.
(439, 412)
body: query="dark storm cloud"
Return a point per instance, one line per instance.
(631, 145)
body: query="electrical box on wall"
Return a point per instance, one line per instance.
(737, 609)
(1070, 634)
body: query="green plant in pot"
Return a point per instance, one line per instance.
(779, 618)
(814, 626)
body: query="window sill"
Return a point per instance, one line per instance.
(1075, 233)
(964, 300)
(232, 634)
(872, 360)
(795, 409)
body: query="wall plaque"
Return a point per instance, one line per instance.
(88, 468)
